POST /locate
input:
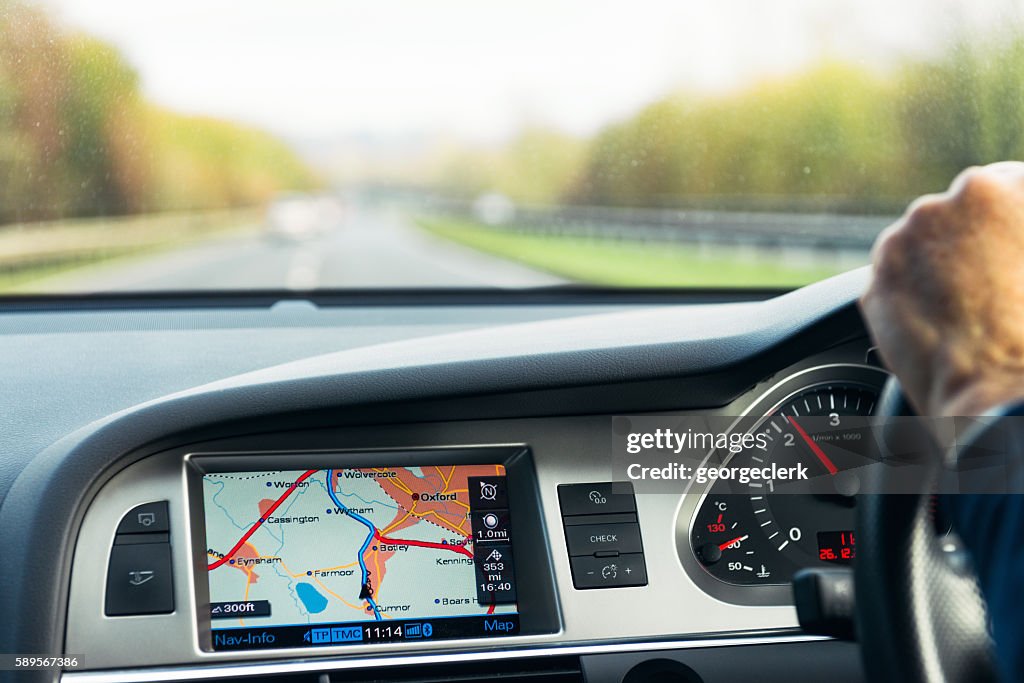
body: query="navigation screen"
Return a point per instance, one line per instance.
(308, 558)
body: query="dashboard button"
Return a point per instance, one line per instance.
(596, 499)
(598, 538)
(148, 518)
(616, 518)
(487, 493)
(139, 580)
(490, 526)
(609, 572)
(136, 539)
(495, 575)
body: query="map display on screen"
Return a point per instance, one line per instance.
(316, 557)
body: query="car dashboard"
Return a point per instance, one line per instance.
(151, 454)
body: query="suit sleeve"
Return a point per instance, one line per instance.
(991, 526)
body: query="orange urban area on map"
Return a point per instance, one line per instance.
(440, 497)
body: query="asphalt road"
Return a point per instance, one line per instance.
(369, 248)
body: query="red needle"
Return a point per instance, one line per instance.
(723, 546)
(815, 448)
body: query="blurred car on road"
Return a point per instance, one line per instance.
(297, 217)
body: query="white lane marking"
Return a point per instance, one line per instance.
(304, 269)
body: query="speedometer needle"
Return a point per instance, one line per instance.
(815, 448)
(723, 546)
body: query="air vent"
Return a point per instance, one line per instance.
(547, 669)
(529, 670)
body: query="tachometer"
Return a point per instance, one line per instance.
(759, 533)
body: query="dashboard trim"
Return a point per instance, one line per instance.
(572, 450)
(189, 673)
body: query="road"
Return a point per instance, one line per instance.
(370, 248)
(367, 592)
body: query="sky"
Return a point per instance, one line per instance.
(314, 70)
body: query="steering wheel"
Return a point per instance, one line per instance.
(920, 617)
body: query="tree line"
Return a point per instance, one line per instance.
(836, 137)
(77, 138)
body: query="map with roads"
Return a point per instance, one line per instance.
(342, 545)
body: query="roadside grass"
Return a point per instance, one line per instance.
(21, 279)
(31, 253)
(625, 264)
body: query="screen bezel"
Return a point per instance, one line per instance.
(536, 594)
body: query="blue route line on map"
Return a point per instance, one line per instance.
(366, 543)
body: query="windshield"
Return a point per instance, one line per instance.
(417, 144)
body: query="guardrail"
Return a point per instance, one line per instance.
(25, 246)
(817, 231)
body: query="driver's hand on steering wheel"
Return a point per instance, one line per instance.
(946, 302)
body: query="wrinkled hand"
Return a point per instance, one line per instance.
(946, 302)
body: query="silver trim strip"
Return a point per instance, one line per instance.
(564, 451)
(314, 665)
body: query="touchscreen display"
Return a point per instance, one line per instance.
(308, 558)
